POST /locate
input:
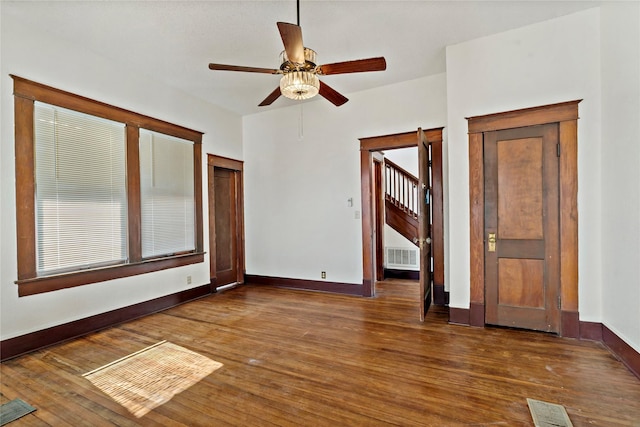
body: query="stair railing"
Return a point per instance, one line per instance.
(401, 188)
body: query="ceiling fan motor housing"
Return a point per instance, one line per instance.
(309, 61)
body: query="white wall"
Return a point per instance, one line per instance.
(406, 158)
(38, 57)
(590, 55)
(297, 219)
(620, 26)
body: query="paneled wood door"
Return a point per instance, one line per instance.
(424, 223)
(522, 241)
(226, 229)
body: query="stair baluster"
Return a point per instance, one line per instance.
(401, 199)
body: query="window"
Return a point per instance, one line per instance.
(166, 194)
(81, 193)
(101, 192)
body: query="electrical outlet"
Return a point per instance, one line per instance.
(188, 280)
(323, 274)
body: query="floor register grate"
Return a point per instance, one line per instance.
(547, 414)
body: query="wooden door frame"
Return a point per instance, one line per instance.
(367, 185)
(236, 166)
(566, 116)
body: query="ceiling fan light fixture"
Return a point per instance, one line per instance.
(299, 85)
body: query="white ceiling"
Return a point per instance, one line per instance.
(173, 41)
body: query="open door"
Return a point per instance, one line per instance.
(429, 142)
(226, 225)
(424, 224)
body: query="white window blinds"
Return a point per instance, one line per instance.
(166, 194)
(81, 201)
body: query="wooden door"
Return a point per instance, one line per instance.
(424, 224)
(226, 224)
(522, 268)
(378, 194)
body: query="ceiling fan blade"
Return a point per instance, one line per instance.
(331, 95)
(223, 67)
(357, 66)
(292, 39)
(272, 97)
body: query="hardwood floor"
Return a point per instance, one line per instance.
(300, 358)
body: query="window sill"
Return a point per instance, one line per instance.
(38, 285)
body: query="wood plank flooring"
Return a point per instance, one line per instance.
(300, 358)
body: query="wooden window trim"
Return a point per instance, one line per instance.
(26, 92)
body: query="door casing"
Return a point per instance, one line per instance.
(566, 116)
(368, 146)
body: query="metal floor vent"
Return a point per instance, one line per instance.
(547, 414)
(402, 257)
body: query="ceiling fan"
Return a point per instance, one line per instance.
(300, 71)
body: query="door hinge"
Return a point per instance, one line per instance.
(559, 303)
(558, 149)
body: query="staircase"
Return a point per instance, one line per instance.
(401, 201)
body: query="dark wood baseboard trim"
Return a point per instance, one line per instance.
(476, 314)
(570, 324)
(571, 328)
(311, 285)
(623, 351)
(459, 316)
(367, 288)
(591, 331)
(440, 296)
(392, 273)
(17, 346)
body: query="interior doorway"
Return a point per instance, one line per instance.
(429, 215)
(541, 249)
(396, 186)
(226, 224)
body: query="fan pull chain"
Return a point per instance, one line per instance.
(301, 125)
